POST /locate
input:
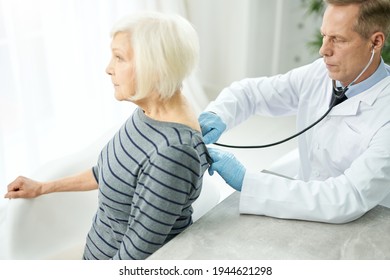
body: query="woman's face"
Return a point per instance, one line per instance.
(121, 66)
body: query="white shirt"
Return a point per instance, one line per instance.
(344, 160)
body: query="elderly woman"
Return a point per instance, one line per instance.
(151, 171)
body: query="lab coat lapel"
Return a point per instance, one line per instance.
(348, 108)
(351, 105)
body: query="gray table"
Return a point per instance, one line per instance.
(225, 234)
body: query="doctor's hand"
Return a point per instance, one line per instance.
(230, 169)
(23, 187)
(212, 127)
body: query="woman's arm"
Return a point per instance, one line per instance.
(23, 187)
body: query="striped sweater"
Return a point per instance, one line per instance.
(149, 174)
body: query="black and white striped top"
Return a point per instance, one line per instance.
(149, 174)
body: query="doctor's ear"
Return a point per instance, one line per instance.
(378, 40)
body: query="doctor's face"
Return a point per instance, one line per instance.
(121, 67)
(345, 52)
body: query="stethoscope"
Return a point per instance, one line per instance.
(338, 95)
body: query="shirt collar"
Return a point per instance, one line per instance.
(381, 72)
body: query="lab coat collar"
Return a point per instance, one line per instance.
(351, 105)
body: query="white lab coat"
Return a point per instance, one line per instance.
(344, 160)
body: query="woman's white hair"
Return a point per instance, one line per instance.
(166, 51)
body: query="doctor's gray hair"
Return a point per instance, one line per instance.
(166, 51)
(374, 16)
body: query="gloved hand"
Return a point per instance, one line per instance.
(230, 169)
(212, 127)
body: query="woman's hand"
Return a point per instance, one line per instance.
(23, 187)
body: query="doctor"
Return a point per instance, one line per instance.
(345, 158)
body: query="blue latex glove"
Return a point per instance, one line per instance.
(212, 127)
(230, 169)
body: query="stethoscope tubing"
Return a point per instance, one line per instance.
(281, 141)
(337, 94)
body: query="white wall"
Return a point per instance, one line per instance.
(221, 39)
(247, 38)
